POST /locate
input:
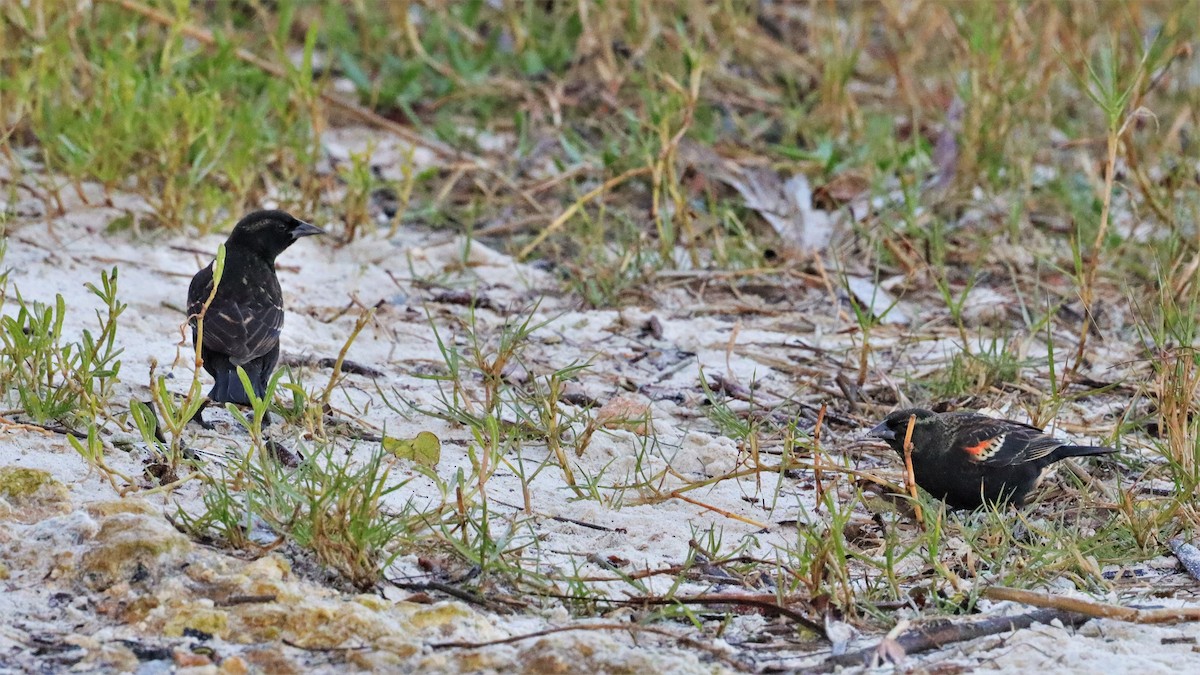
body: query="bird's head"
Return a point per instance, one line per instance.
(269, 233)
(894, 427)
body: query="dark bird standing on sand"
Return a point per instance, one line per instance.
(242, 323)
(966, 459)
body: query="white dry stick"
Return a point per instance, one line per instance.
(1188, 555)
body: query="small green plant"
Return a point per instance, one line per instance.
(162, 424)
(336, 509)
(360, 182)
(33, 350)
(818, 562)
(330, 505)
(1169, 329)
(549, 416)
(976, 372)
(498, 414)
(1114, 88)
(53, 379)
(260, 407)
(491, 543)
(228, 514)
(296, 409)
(92, 450)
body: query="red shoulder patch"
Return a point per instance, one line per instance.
(985, 448)
(979, 449)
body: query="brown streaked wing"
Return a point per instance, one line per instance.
(244, 330)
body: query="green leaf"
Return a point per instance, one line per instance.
(146, 422)
(425, 449)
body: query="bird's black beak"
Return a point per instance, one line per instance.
(304, 229)
(882, 431)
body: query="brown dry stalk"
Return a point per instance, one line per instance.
(784, 466)
(664, 169)
(714, 509)
(768, 602)
(166, 487)
(716, 652)
(827, 284)
(216, 281)
(909, 479)
(1097, 610)
(1087, 288)
(461, 502)
(10, 425)
(337, 375)
(463, 644)
(817, 457)
(553, 431)
(573, 208)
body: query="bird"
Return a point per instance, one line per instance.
(967, 459)
(241, 324)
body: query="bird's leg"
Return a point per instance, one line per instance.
(198, 418)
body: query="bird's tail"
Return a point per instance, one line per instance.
(1064, 451)
(228, 388)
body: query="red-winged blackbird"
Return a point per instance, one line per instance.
(966, 459)
(242, 323)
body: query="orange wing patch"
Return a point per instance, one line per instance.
(985, 448)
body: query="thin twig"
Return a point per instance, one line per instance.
(928, 638)
(463, 644)
(764, 602)
(817, 457)
(44, 429)
(234, 600)
(723, 512)
(688, 641)
(363, 319)
(1098, 610)
(492, 604)
(670, 570)
(168, 487)
(909, 477)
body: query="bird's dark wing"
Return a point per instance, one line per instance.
(241, 323)
(244, 330)
(997, 442)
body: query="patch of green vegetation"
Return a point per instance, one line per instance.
(328, 505)
(974, 373)
(442, 63)
(140, 107)
(49, 377)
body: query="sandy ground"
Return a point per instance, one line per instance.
(790, 342)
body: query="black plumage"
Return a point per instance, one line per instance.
(243, 321)
(967, 459)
